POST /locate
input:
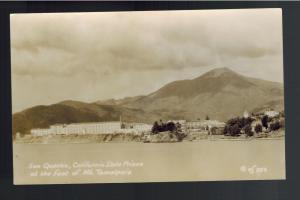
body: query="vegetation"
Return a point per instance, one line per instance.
(239, 125)
(275, 126)
(264, 121)
(234, 126)
(248, 130)
(258, 128)
(234, 130)
(170, 126)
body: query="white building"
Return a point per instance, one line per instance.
(245, 114)
(271, 113)
(136, 128)
(180, 121)
(142, 127)
(203, 124)
(40, 132)
(79, 128)
(93, 128)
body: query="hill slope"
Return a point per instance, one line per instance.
(220, 94)
(72, 112)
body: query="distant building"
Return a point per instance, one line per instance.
(142, 127)
(180, 121)
(40, 132)
(93, 128)
(79, 128)
(138, 127)
(271, 113)
(245, 114)
(204, 124)
(134, 128)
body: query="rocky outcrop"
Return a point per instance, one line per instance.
(163, 137)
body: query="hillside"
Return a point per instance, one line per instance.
(220, 93)
(72, 112)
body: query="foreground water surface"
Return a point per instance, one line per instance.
(204, 160)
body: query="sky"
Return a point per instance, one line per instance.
(103, 55)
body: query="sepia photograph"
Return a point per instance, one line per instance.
(147, 96)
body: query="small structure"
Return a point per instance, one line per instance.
(245, 114)
(271, 113)
(18, 135)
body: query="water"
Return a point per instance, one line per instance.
(187, 161)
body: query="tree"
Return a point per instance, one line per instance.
(248, 130)
(235, 130)
(275, 126)
(155, 128)
(170, 126)
(207, 117)
(258, 128)
(161, 126)
(264, 121)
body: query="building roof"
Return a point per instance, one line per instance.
(79, 123)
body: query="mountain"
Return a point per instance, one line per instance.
(74, 112)
(122, 101)
(220, 94)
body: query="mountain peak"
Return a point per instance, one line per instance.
(219, 71)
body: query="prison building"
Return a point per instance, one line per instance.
(204, 124)
(180, 121)
(136, 128)
(79, 128)
(40, 132)
(141, 127)
(271, 113)
(86, 128)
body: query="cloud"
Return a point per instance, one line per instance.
(112, 46)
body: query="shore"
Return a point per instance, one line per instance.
(119, 138)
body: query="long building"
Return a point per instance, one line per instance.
(40, 131)
(204, 124)
(92, 128)
(79, 128)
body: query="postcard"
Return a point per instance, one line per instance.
(147, 96)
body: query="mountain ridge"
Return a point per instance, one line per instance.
(219, 93)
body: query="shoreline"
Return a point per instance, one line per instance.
(69, 140)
